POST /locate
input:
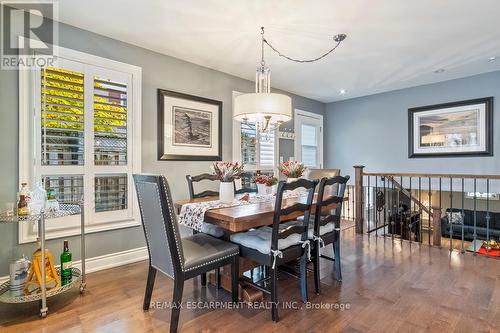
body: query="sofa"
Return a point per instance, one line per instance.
(468, 224)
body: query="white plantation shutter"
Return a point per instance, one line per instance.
(248, 144)
(258, 150)
(63, 139)
(267, 153)
(110, 144)
(309, 145)
(87, 139)
(111, 192)
(110, 122)
(62, 117)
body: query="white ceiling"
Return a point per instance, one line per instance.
(391, 44)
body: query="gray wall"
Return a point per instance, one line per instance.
(373, 130)
(159, 71)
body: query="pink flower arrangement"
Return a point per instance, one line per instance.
(266, 180)
(292, 169)
(227, 171)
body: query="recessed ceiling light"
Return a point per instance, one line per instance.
(437, 71)
(492, 58)
(342, 91)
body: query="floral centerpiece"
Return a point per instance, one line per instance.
(266, 184)
(269, 180)
(226, 172)
(292, 169)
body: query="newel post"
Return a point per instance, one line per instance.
(436, 226)
(358, 198)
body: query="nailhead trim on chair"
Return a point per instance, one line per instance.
(163, 221)
(212, 261)
(175, 236)
(174, 220)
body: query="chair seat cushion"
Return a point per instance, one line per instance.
(329, 227)
(202, 249)
(212, 230)
(260, 239)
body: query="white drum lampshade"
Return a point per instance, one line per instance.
(256, 106)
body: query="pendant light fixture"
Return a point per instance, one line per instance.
(264, 108)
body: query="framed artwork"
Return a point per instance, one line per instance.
(189, 127)
(462, 128)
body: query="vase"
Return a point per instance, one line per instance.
(273, 189)
(262, 189)
(226, 192)
(297, 190)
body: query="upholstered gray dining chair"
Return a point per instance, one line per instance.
(176, 257)
(321, 173)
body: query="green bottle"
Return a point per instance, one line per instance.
(66, 265)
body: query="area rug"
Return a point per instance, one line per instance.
(481, 250)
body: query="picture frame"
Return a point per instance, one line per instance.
(463, 128)
(189, 127)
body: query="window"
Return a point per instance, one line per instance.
(257, 151)
(309, 138)
(309, 146)
(80, 135)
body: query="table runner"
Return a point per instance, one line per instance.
(192, 214)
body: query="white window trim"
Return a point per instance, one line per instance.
(298, 115)
(27, 232)
(237, 144)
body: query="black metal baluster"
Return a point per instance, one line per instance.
(369, 204)
(385, 205)
(450, 216)
(353, 205)
(349, 202)
(440, 194)
(393, 211)
(475, 216)
(411, 213)
(488, 216)
(441, 203)
(376, 207)
(463, 215)
(401, 226)
(419, 239)
(429, 216)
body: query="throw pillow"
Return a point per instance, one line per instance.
(455, 217)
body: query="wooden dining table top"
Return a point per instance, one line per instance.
(244, 217)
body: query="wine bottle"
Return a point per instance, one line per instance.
(66, 265)
(22, 204)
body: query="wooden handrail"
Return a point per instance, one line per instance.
(430, 175)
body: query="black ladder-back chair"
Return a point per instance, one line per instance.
(322, 218)
(178, 258)
(207, 193)
(276, 256)
(246, 175)
(195, 179)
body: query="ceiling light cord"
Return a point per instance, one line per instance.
(337, 38)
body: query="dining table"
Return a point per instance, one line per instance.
(240, 218)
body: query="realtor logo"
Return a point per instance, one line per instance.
(28, 33)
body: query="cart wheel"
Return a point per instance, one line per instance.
(43, 313)
(82, 287)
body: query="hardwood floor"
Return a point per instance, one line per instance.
(389, 288)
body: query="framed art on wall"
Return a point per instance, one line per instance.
(462, 128)
(189, 127)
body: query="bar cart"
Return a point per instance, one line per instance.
(78, 275)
